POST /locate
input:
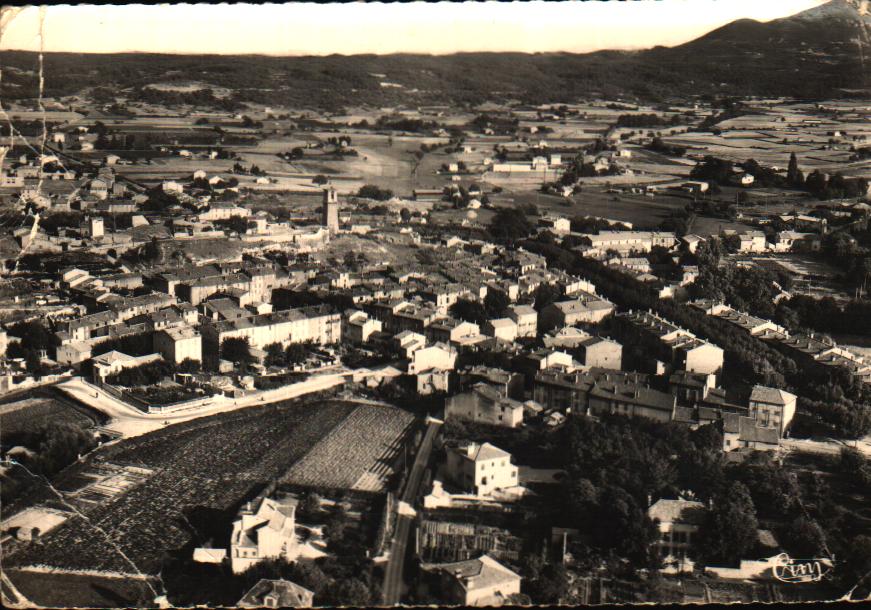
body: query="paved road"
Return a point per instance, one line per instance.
(392, 589)
(127, 420)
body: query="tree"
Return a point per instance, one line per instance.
(404, 215)
(548, 585)
(496, 303)
(546, 294)
(274, 355)
(189, 365)
(236, 349)
(509, 225)
(470, 311)
(33, 364)
(371, 191)
(853, 570)
(295, 353)
(728, 532)
(805, 538)
(792, 172)
(320, 179)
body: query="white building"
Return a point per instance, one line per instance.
(772, 408)
(555, 224)
(357, 326)
(114, 362)
(501, 328)
(438, 356)
(678, 522)
(179, 344)
(526, 319)
(480, 469)
(485, 404)
(264, 529)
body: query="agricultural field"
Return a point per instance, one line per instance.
(358, 454)
(58, 590)
(27, 416)
(207, 466)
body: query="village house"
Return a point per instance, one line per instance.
(113, 362)
(277, 594)
(600, 352)
(740, 432)
(526, 319)
(480, 468)
(485, 404)
(772, 408)
(555, 224)
(453, 331)
(475, 582)
(501, 328)
(358, 327)
(678, 522)
(264, 529)
(669, 343)
(178, 344)
(589, 309)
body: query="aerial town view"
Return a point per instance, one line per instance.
(485, 324)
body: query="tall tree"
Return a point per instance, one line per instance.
(728, 533)
(792, 173)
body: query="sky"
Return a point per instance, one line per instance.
(437, 28)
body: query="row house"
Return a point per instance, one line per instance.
(319, 325)
(668, 342)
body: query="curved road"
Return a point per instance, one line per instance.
(127, 420)
(392, 588)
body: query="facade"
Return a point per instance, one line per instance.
(669, 343)
(501, 328)
(624, 242)
(485, 404)
(437, 356)
(526, 319)
(480, 469)
(772, 408)
(585, 310)
(317, 324)
(263, 529)
(600, 352)
(357, 327)
(678, 522)
(179, 344)
(741, 432)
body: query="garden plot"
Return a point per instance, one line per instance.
(358, 454)
(108, 481)
(37, 518)
(27, 416)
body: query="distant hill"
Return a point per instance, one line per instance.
(815, 54)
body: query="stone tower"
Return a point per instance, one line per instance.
(330, 211)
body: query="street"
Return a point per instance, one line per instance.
(128, 421)
(392, 589)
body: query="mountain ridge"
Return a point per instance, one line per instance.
(814, 54)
